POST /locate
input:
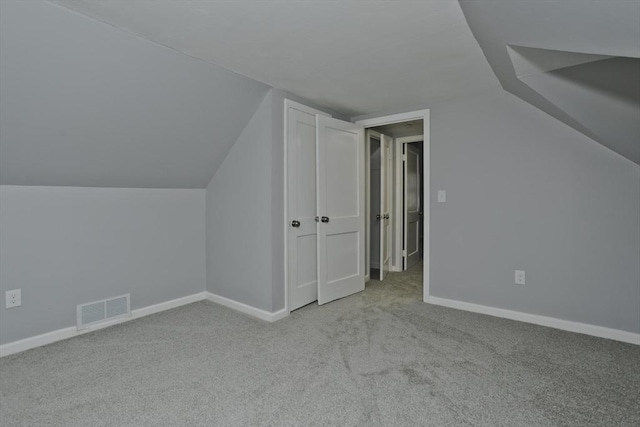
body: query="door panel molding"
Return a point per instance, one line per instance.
(340, 193)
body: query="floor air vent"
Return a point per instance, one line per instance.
(97, 312)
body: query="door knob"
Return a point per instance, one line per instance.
(324, 219)
(295, 223)
(386, 216)
(379, 217)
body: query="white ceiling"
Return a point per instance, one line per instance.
(354, 57)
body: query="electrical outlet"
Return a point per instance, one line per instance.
(13, 298)
(519, 277)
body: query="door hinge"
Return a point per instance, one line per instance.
(404, 157)
(404, 253)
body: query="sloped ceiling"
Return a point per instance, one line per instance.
(85, 104)
(577, 60)
(351, 56)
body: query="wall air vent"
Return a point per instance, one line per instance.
(97, 312)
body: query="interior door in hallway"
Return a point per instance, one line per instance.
(340, 208)
(412, 195)
(386, 189)
(302, 275)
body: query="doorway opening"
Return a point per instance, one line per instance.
(408, 214)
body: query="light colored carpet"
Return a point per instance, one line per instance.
(379, 358)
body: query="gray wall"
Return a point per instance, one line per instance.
(67, 245)
(238, 217)
(525, 191)
(277, 199)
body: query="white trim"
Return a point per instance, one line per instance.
(295, 105)
(70, 332)
(305, 109)
(394, 118)
(369, 133)
(551, 322)
(247, 309)
(410, 139)
(367, 206)
(398, 215)
(426, 152)
(168, 305)
(375, 134)
(399, 195)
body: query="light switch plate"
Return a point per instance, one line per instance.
(442, 196)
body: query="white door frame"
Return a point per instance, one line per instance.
(367, 201)
(296, 105)
(386, 227)
(399, 206)
(405, 117)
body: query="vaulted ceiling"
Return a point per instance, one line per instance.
(85, 104)
(146, 93)
(351, 56)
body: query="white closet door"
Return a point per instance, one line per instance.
(386, 189)
(340, 190)
(302, 274)
(412, 195)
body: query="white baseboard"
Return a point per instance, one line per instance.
(247, 309)
(40, 340)
(70, 332)
(280, 314)
(157, 308)
(552, 322)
